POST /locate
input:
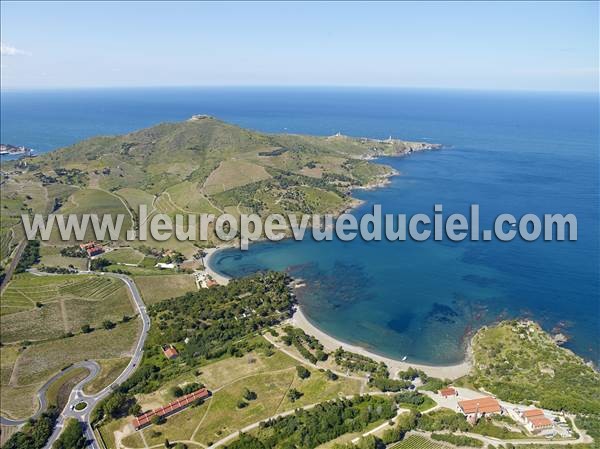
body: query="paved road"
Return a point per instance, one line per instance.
(91, 366)
(77, 395)
(13, 264)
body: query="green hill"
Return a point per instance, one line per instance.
(199, 165)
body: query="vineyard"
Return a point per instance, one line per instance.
(419, 442)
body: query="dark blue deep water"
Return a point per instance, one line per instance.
(509, 152)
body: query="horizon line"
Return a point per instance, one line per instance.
(297, 86)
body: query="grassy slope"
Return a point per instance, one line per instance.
(110, 369)
(269, 376)
(124, 255)
(58, 393)
(519, 362)
(201, 166)
(67, 302)
(159, 287)
(40, 361)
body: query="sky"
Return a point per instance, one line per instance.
(550, 46)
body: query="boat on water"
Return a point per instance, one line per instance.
(404, 358)
(11, 150)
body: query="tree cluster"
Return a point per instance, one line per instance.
(307, 429)
(35, 433)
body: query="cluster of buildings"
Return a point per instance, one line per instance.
(177, 405)
(477, 408)
(534, 420)
(92, 248)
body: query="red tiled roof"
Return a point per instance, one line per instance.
(93, 250)
(448, 392)
(532, 413)
(170, 352)
(178, 404)
(539, 422)
(480, 405)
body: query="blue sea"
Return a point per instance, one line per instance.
(509, 152)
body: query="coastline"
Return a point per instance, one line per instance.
(331, 343)
(210, 252)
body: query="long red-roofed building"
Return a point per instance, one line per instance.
(537, 423)
(479, 406)
(536, 420)
(175, 406)
(532, 413)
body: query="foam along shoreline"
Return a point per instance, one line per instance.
(331, 343)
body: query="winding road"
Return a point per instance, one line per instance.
(77, 395)
(91, 366)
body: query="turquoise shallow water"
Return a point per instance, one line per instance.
(509, 152)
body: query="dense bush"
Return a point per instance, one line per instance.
(410, 397)
(210, 324)
(443, 420)
(249, 395)
(302, 372)
(307, 429)
(73, 251)
(453, 422)
(35, 433)
(118, 404)
(30, 256)
(304, 343)
(387, 384)
(72, 436)
(356, 362)
(591, 424)
(99, 264)
(509, 357)
(58, 270)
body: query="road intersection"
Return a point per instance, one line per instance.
(77, 394)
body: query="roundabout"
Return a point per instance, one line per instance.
(80, 406)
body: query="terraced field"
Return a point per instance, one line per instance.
(136, 197)
(419, 442)
(188, 196)
(26, 369)
(93, 201)
(232, 174)
(41, 332)
(43, 307)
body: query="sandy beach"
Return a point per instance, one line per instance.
(331, 343)
(223, 280)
